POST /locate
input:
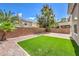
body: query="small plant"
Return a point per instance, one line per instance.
(7, 26)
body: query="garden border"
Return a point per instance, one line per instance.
(27, 54)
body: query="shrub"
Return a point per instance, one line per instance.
(7, 26)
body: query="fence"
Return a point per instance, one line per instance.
(26, 31)
(61, 30)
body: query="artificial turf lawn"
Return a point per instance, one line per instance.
(48, 46)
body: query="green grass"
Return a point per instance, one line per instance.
(49, 46)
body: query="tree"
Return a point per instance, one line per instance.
(7, 16)
(46, 18)
(63, 20)
(7, 20)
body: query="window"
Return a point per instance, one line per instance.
(25, 23)
(75, 28)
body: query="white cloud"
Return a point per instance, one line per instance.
(31, 18)
(20, 14)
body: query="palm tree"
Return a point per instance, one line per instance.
(7, 16)
(46, 19)
(7, 20)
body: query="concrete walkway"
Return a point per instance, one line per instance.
(10, 48)
(59, 35)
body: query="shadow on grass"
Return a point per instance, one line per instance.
(76, 47)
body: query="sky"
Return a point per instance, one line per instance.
(29, 10)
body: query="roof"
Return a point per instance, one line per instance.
(26, 21)
(71, 7)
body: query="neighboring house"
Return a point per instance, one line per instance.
(25, 23)
(64, 24)
(34, 24)
(20, 22)
(73, 11)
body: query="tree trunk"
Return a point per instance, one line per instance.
(48, 29)
(3, 36)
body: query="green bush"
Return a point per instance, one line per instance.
(7, 26)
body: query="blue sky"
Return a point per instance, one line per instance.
(29, 10)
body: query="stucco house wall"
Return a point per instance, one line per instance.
(74, 21)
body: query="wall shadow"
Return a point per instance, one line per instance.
(76, 47)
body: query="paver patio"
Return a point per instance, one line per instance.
(10, 48)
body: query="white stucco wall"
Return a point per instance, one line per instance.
(75, 13)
